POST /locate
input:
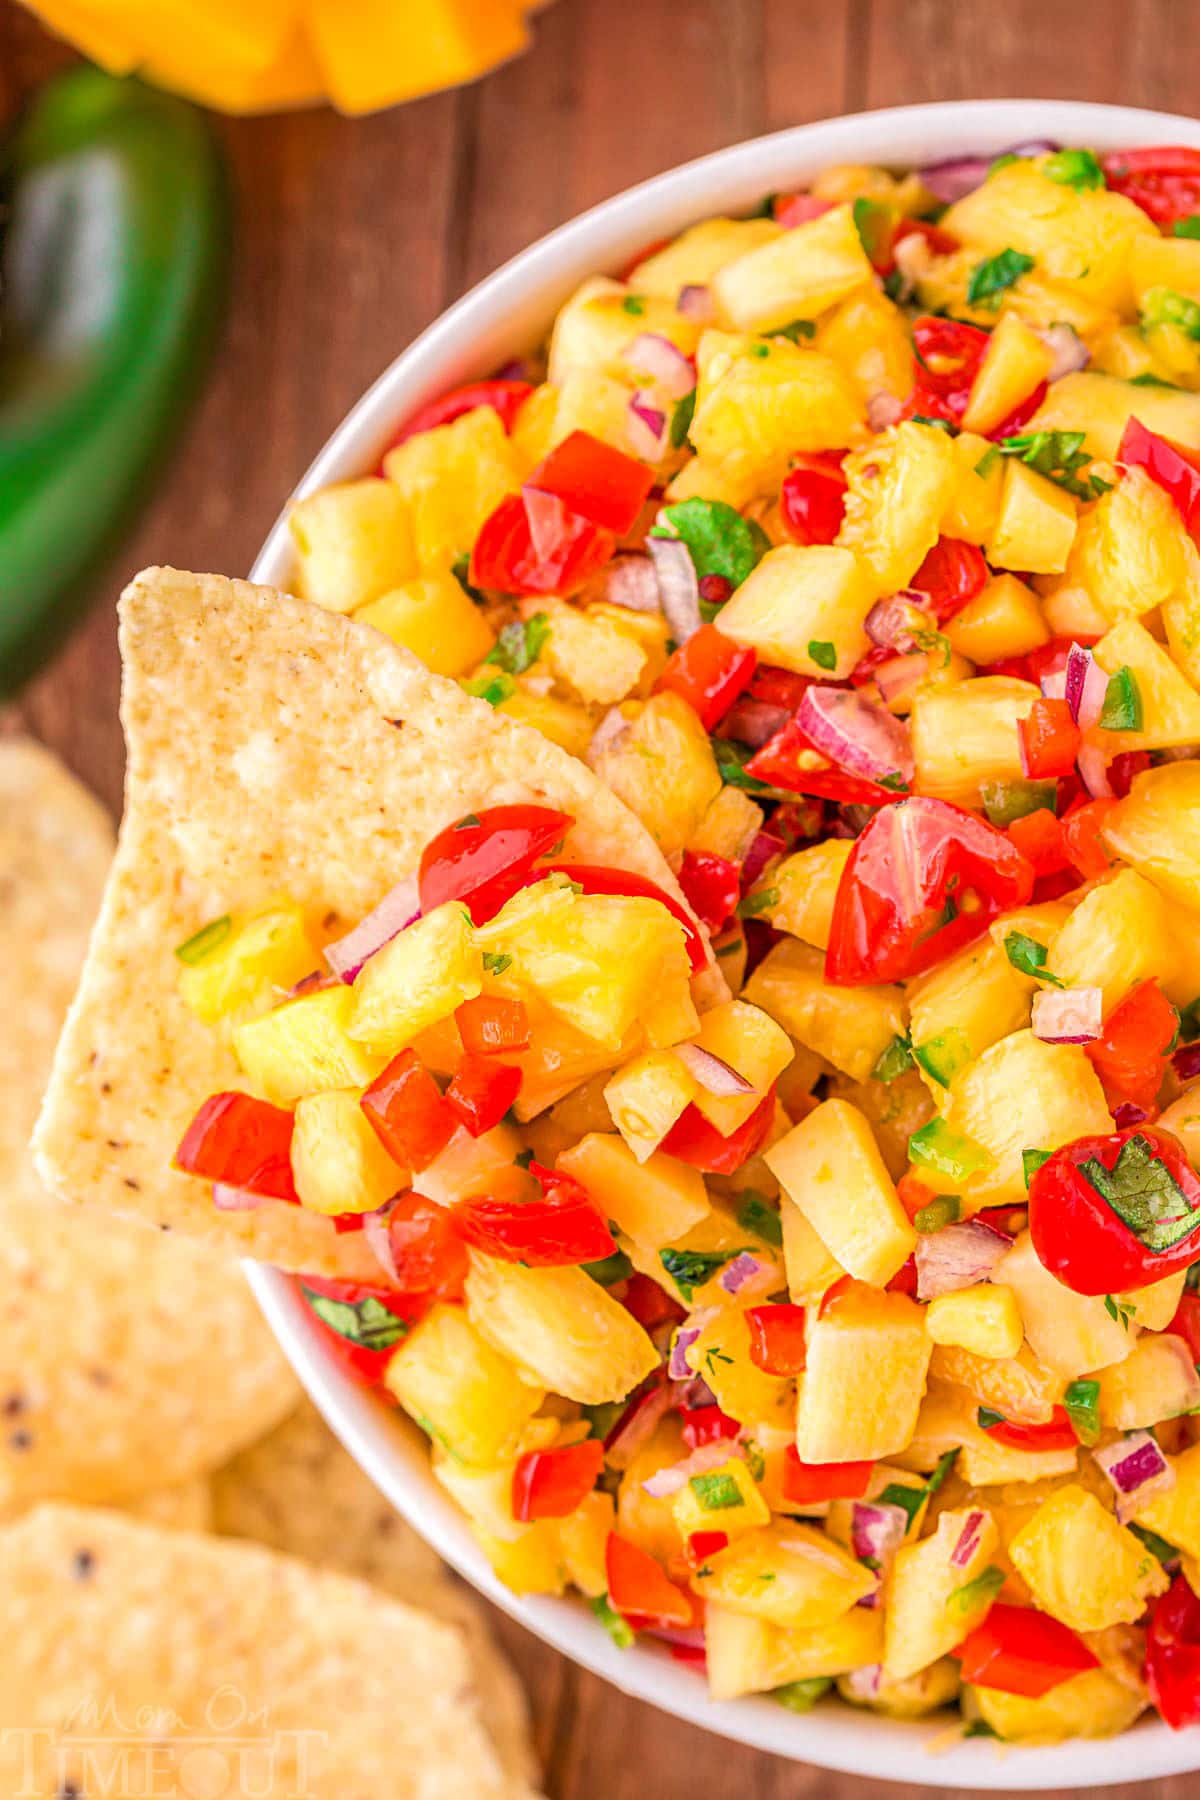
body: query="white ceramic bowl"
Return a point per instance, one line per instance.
(497, 320)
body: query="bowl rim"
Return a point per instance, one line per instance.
(495, 320)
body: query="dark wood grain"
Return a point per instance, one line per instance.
(352, 235)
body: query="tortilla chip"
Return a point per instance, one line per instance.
(272, 746)
(298, 1491)
(185, 1506)
(142, 1661)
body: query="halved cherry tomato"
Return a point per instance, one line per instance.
(783, 762)
(1116, 1212)
(549, 1484)
(562, 1229)
(481, 1092)
(408, 1112)
(709, 672)
(711, 886)
(952, 574)
(594, 480)
(649, 1304)
(534, 544)
(362, 1324)
(1020, 415)
(777, 1338)
(905, 1280)
(483, 859)
(1050, 740)
(1163, 179)
(923, 880)
(693, 1140)
(1021, 1651)
(808, 1483)
(1124, 769)
(1173, 1655)
(1130, 1056)
(948, 358)
(942, 243)
(493, 1025)
(426, 1248)
(241, 1142)
(1081, 828)
(639, 1588)
(1186, 1323)
(1174, 468)
(504, 397)
(791, 210)
(598, 878)
(1056, 1434)
(812, 500)
(706, 1425)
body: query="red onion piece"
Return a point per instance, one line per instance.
(695, 302)
(712, 1073)
(958, 1256)
(701, 1461)
(311, 984)
(1186, 1062)
(883, 409)
(960, 175)
(1068, 1015)
(684, 1637)
(379, 1242)
(765, 847)
(612, 726)
(1092, 764)
(1137, 1469)
(398, 908)
(753, 722)
(899, 677)
(876, 1531)
(1068, 349)
(968, 1540)
(679, 591)
(646, 425)
(672, 373)
(746, 1272)
(858, 736)
(637, 1424)
(1128, 1113)
(863, 1683)
(233, 1199)
(894, 622)
(678, 1367)
(629, 581)
(1087, 684)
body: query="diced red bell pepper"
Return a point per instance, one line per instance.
(562, 1229)
(1124, 769)
(1174, 468)
(905, 1280)
(1130, 1056)
(836, 1294)
(241, 1142)
(428, 1252)
(534, 544)
(649, 1304)
(703, 1544)
(709, 672)
(923, 880)
(942, 243)
(493, 1025)
(1173, 1655)
(797, 209)
(1021, 1651)
(483, 859)
(503, 396)
(812, 500)
(1020, 415)
(948, 357)
(360, 1340)
(1163, 179)
(595, 481)
(1186, 1323)
(1115, 1212)
(777, 1338)
(408, 1112)
(779, 687)
(1050, 740)
(782, 763)
(706, 1425)
(711, 886)
(807, 1484)
(1056, 1434)
(1039, 837)
(598, 878)
(481, 1092)
(693, 1140)
(639, 1588)
(914, 1194)
(952, 574)
(1081, 828)
(549, 1484)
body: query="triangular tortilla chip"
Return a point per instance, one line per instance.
(272, 746)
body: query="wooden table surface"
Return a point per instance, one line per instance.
(353, 235)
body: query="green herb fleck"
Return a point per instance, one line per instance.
(944, 1209)
(752, 904)
(496, 961)
(719, 540)
(618, 1628)
(798, 328)
(1031, 1162)
(1163, 306)
(716, 1493)
(1027, 955)
(986, 1417)
(1081, 1401)
(1144, 1194)
(964, 1600)
(610, 1269)
(895, 1061)
(690, 1269)
(1157, 1546)
(495, 689)
(874, 226)
(989, 279)
(202, 943)
(731, 759)
(822, 653)
(523, 1158)
(460, 568)
(944, 1055)
(367, 1323)
(756, 1214)
(520, 644)
(1119, 1312)
(682, 414)
(979, 1728)
(802, 1696)
(467, 822)
(1078, 169)
(1122, 709)
(1058, 455)
(634, 305)
(1187, 228)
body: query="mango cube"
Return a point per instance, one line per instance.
(257, 957)
(338, 1162)
(1004, 620)
(721, 1355)
(1102, 405)
(655, 1203)
(434, 617)
(984, 1320)
(583, 1536)
(305, 1046)
(1068, 1332)
(831, 1167)
(861, 1391)
(974, 503)
(787, 1574)
(460, 1389)
(722, 1499)
(353, 542)
(1157, 1380)
(1081, 1566)
(426, 971)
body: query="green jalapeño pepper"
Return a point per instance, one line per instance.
(112, 269)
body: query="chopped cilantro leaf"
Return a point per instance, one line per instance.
(752, 904)
(1144, 1194)
(989, 279)
(202, 943)
(690, 1269)
(1078, 169)
(520, 644)
(467, 821)
(1027, 955)
(1119, 1313)
(681, 420)
(496, 961)
(731, 761)
(634, 305)
(756, 1214)
(824, 654)
(523, 1158)
(1058, 455)
(946, 425)
(719, 540)
(461, 571)
(1157, 1546)
(1163, 306)
(367, 1322)
(797, 329)
(1031, 1162)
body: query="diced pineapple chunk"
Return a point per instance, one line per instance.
(1157, 1380)
(453, 477)
(469, 1165)
(596, 403)
(967, 734)
(962, 1006)
(646, 1097)
(759, 404)
(1118, 935)
(900, 486)
(434, 617)
(798, 275)
(926, 1612)
(1170, 704)
(1164, 262)
(1095, 1704)
(532, 434)
(747, 1655)
(729, 826)
(1129, 551)
(721, 1355)
(750, 1042)
(1022, 1094)
(693, 258)
(1017, 1386)
(868, 336)
(985, 1320)
(460, 1389)
(338, 1162)
(861, 1391)
(601, 318)
(590, 655)
(1014, 363)
(974, 503)
(1004, 620)
(830, 1165)
(923, 1693)
(1155, 1306)
(1070, 1333)
(530, 1564)
(811, 1267)
(662, 766)
(1035, 526)
(565, 724)
(1102, 405)
(259, 956)
(426, 971)
(807, 885)
(722, 1499)
(1175, 1514)
(305, 1046)
(803, 597)
(849, 1027)
(583, 1536)
(1156, 828)
(788, 1574)
(353, 542)
(560, 1327)
(1081, 1566)
(654, 1204)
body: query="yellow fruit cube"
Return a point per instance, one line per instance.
(664, 770)
(436, 619)
(802, 605)
(868, 336)
(469, 1165)
(729, 826)
(1022, 1094)
(645, 1098)
(565, 724)
(1157, 1380)
(861, 1391)
(1156, 828)
(760, 403)
(598, 661)
(948, 1421)
(1175, 1514)
(1170, 704)
(807, 885)
(1102, 405)
(529, 1564)
(1118, 935)
(963, 1005)
(749, 1042)
(1004, 620)
(1035, 526)
(693, 258)
(583, 1536)
(459, 1389)
(721, 1355)
(1019, 1386)
(338, 1162)
(923, 1693)
(1015, 361)
(595, 403)
(1073, 1334)
(930, 1601)
(561, 1329)
(353, 542)
(1129, 552)
(787, 1574)
(1096, 1704)
(748, 1655)
(532, 436)
(974, 503)
(234, 964)
(426, 971)
(647, 1518)
(1081, 1566)
(722, 1499)
(967, 735)
(601, 319)
(654, 1203)
(305, 1046)
(830, 1166)
(1156, 262)
(900, 485)
(985, 1320)
(798, 275)
(811, 1266)
(849, 1027)
(452, 478)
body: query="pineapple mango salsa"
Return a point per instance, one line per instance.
(817, 1292)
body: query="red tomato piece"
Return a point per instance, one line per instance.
(1116, 1212)
(1164, 180)
(241, 1142)
(1039, 838)
(534, 544)
(1081, 828)
(914, 1194)
(549, 1484)
(1124, 770)
(562, 1229)
(483, 859)
(595, 481)
(640, 1589)
(706, 1425)
(812, 500)
(504, 397)
(1020, 415)
(948, 358)
(805, 1483)
(942, 243)
(1131, 1055)
(693, 1140)
(408, 1113)
(924, 879)
(904, 1281)
(777, 1338)
(427, 1249)
(597, 878)
(1050, 740)
(797, 209)
(783, 763)
(1186, 1323)
(952, 574)
(1021, 1651)
(703, 1544)
(709, 672)
(711, 885)
(493, 1025)
(650, 1304)
(359, 1340)
(1056, 1434)
(481, 1092)
(1173, 1655)
(1176, 470)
